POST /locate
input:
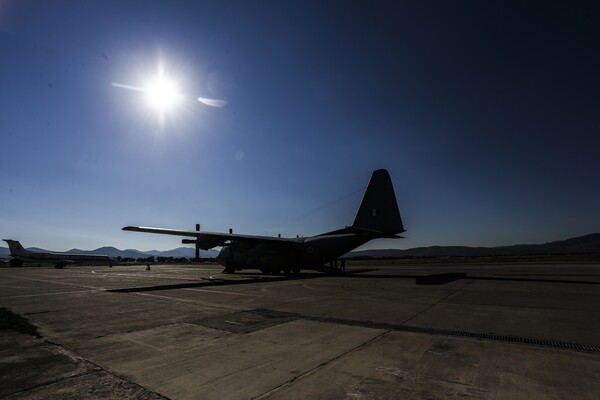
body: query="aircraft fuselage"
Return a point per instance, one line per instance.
(303, 253)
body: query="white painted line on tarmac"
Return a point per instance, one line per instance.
(52, 294)
(234, 323)
(219, 292)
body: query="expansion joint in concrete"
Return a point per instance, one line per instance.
(323, 364)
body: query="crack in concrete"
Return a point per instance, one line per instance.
(96, 368)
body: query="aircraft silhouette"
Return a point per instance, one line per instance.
(377, 217)
(59, 260)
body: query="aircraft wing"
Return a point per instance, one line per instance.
(208, 240)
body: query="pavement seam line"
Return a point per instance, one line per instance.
(435, 304)
(77, 358)
(99, 367)
(52, 382)
(323, 364)
(549, 343)
(178, 300)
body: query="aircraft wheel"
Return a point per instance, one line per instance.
(287, 271)
(229, 269)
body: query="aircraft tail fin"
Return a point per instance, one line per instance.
(15, 247)
(378, 210)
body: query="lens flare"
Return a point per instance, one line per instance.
(161, 94)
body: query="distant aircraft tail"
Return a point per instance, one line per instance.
(15, 247)
(378, 210)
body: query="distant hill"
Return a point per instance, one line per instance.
(588, 244)
(188, 252)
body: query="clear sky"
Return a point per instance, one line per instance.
(486, 114)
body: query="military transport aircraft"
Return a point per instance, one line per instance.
(378, 217)
(59, 260)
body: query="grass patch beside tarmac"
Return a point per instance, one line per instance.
(12, 321)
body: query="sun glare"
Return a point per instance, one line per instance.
(162, 94)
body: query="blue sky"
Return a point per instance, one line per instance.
(486, 116)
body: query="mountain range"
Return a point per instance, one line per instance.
(588, 244)
(188, 252)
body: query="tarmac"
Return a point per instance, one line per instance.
(423, 331)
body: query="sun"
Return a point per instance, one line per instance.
(162, 94)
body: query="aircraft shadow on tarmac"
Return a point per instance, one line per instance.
(434, 279)
(215, 282)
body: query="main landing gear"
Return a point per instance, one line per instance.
(229, 269)
(286, 271)
(336, 266)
